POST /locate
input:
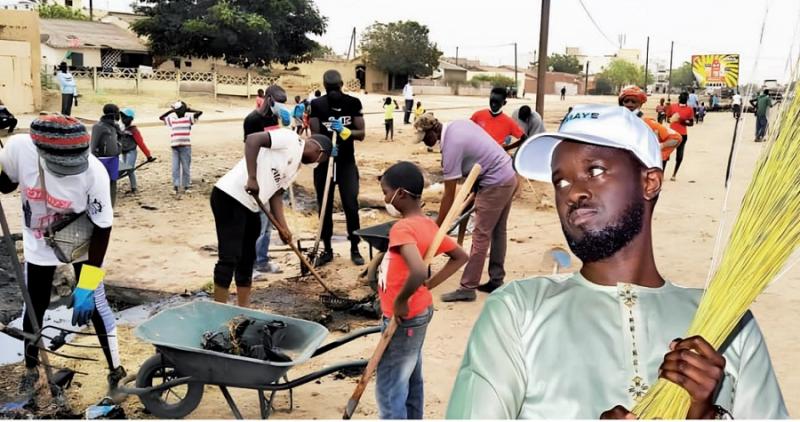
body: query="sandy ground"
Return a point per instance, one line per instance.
(158, 243)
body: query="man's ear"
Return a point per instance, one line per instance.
(505, 102)
(652, 179)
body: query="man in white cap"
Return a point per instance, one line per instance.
(592, 343)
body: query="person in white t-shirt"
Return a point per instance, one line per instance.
(408, 96)
(271, 162)
(75, 182)
(737, 105)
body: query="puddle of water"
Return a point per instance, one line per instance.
(11, 350)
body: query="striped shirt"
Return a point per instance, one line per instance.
(181, 129)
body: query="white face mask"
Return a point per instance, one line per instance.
(394, 212)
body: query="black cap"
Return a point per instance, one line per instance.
(324, 142)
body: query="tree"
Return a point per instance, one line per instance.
(683, 77)
(602, 86)
(497, 80)
(242, 32)
(57, 11)
(564, 63)
(323, 51)
(401, 47)
(621, 72)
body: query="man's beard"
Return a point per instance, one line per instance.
(597, 245)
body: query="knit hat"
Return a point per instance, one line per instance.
(62, 142)
(423, 124)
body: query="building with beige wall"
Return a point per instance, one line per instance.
(20, 60)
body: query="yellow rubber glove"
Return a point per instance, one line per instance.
(345, 133)
(90, 277)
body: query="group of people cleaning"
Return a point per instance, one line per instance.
(609, 324)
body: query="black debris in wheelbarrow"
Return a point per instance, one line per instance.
(250, 337)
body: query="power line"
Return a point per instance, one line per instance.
(595, 23)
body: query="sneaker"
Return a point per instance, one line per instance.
(325, 257)
(356, 257)
(132, 192)
(430, 149)
(490, 286)
(460, 295)
(187, 190)
(268, 268)
(114, 377)
(176, 192)
(27, 385)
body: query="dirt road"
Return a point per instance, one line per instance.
(158, 243)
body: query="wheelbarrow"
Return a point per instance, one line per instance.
(170, 383)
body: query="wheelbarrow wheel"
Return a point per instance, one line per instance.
(172, 403)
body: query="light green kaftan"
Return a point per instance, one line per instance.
(563, 347)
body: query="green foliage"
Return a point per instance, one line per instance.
(620, 73)
(242, 32)
(603, 87)
(323, 51)
(496, 80)
(401, 47)
(564, 63)
(57, 11)
(683, 77)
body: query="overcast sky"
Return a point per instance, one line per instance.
(481, 29)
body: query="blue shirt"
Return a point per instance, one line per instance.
(67, 83)
(299, 109)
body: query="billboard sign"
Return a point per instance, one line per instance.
(716, 70)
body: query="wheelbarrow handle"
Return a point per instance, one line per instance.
(346, 339)
(138, 391)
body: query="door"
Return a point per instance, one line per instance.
(7, 81)
(16, 85)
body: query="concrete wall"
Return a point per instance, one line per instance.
(451, 75)
(53, 56)
(23, 25)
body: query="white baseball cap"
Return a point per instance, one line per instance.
(607, 126)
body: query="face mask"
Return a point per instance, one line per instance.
(394, 212)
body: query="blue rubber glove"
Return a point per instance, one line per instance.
(286, 118)
(337, 126)
(82, 304)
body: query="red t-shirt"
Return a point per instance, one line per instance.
(420, 231)
(684, 112)
(498, 127)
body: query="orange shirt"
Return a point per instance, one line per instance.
(684, 112)
(663, 134)
(419, 231)
(498, 127)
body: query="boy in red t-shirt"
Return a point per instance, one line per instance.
(402, 291)
(680, 117)
(496, 123)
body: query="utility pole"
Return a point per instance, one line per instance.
(352, 45)
(516, 82)
(456, 55)
(91, 10)
(586, 84)
(646, 62)
(542, 69)
(669, 78)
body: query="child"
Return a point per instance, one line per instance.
(180, 119)
(418, 111)
(130, 140)
(661, 111)
(389, 106)
(259, 98)
(297, 113)
(701, 112)
(403, 295)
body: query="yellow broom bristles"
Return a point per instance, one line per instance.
(764, 236)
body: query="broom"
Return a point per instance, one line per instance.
(764, 236)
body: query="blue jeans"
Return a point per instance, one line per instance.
(262, 244)
(398, 384)
(181, 166)
(129, 160)
(761, 126)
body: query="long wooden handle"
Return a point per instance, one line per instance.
(303, 259)
(386, 337)
(324, 207)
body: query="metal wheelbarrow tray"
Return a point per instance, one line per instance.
(180, 360)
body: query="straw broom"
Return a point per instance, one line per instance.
(764, 236)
